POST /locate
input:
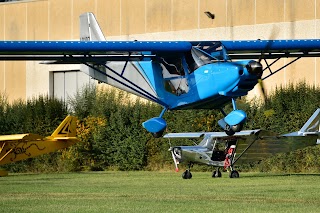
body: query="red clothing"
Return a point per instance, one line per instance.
(227, 161)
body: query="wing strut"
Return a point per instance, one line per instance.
(140, 90)
(269, 65)
(125, 65)
(244, 151)
(272, 73)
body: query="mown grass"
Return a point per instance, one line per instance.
(158, 192)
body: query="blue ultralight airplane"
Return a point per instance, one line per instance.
(175, 74)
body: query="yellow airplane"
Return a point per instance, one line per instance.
(22, 146)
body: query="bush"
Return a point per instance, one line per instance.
(123, 144)
(39, 115)
(112, 136)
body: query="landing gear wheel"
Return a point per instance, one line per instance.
(216, 174)
(186, 174)
(228, 130)
(234, 174)
(237, 128)
(157, 134)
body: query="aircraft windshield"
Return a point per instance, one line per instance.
(198, 58)
(201, 58)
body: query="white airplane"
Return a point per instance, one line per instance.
(221, 150)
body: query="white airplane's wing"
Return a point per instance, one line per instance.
(185, 135)
(212, 134)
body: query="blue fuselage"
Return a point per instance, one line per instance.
(212, 85)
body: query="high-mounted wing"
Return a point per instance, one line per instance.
(142, 80)
(87, 51)
(267, 49)
(130, 73)
(246, 49)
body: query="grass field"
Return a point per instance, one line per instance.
(158, 192)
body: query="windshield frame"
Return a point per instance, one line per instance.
(201, 58)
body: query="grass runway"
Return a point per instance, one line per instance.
(158, 192)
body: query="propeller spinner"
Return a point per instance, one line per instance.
(255, 68)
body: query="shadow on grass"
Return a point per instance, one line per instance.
(264, 175)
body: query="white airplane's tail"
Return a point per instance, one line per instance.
(90, 29)
(311, 127)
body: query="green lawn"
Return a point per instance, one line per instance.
(158, 192)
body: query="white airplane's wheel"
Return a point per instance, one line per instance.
(186, 174)
(234, 174)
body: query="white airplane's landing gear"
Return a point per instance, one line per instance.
(234, 174)
(216, 174)
(186, 174)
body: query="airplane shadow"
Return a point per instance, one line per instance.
(263, 175)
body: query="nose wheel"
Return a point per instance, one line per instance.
(230, 130)
(157, 134)
(232, 122)
(186, 174)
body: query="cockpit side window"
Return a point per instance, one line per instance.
(173, 65)
(173, 74)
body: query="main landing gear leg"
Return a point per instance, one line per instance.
(216, 173)
(187, 174)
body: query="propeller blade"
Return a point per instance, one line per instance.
(261, 85)
(175, 161)
(273, 35)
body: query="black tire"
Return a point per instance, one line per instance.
(157, 134)
(234, 174)
(237, 128)
(228, 130)
(186, 174)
